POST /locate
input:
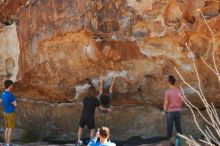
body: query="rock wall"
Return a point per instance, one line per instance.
(65, 46)
(71, 42)
(60, 121)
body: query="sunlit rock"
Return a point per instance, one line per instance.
(9, 53)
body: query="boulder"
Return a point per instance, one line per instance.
(57, 49)
(173, 14)
(211, 8)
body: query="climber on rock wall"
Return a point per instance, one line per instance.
(90, 103)
(105, 98)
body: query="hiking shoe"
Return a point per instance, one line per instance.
(79, 143)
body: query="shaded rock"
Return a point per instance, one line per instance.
(18, 134)
(126, 20)
(137, 140)
(163, 143)
(189, 17)
(60, 121)
(109, 26)
(148, 89)
(106, 18)
(211, 8)
(51, 118)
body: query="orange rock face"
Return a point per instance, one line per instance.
(8, 9)
(67, 44)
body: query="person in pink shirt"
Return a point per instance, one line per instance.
(172, 107)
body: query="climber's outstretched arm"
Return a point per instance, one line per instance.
(112, 85)
(101, 85)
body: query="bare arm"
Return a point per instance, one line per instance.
(112, 85)
(105, 110)
(165, 104)
(101, 85)
(15, 103)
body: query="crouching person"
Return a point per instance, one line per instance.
(102, 138)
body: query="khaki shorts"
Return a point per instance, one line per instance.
(9, 119)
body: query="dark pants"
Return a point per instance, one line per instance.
(173, 117)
